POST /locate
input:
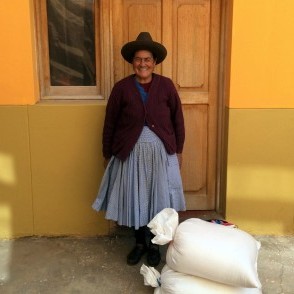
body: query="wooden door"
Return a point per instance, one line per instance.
(189, 29)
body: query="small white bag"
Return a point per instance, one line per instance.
(151, 276)
(164, 226)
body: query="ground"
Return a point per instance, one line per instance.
(98, 265)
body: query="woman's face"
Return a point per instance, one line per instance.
(143, 65)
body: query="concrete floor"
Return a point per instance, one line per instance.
(98, 265)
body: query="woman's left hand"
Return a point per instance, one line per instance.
(180, 159)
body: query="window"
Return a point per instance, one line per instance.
(69, 47)
(71, 40)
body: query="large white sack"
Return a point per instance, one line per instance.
(178, 283)
(215, 252)
(171, 282)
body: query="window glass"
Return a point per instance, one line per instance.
(71, 33)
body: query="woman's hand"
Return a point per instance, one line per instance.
(106, 161)
(180, 159)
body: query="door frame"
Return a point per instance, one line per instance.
(223, 98)
(226, 18)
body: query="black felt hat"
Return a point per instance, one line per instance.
(143, 42)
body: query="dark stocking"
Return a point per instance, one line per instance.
(153, 255)
(140, 235)
(140, 248)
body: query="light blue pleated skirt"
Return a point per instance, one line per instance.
(133, 191)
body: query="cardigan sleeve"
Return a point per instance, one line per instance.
(177, 118)
(111, 118)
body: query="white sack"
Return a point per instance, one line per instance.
(215, 252)
(164, 226)
(171, 282)
(178, 283)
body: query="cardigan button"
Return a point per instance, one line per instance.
(153, 126)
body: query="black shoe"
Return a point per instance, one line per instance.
(135, 255)
(153, 255)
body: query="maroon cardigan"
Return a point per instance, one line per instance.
(126, 115)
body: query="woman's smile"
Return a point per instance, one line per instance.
(143, 65)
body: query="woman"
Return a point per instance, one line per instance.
(143, 139)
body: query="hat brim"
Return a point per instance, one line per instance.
(129, 49)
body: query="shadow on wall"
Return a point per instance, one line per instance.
(16, 217)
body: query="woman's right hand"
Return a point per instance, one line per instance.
(180, 159)
(106, 161)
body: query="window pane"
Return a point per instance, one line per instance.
(71, 34)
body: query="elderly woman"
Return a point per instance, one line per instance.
(143, 139)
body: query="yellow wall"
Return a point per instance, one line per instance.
(262, 61)
(66, 163)
(16, 211)
(50, 153)
(50, 169)
(261, 115)
(261, 170)
(18, 80)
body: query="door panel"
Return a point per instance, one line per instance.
(138, 16)
(191, 43)
(194, 173)
(189, 29)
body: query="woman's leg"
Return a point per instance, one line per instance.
(153, 254)
(140, 248)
